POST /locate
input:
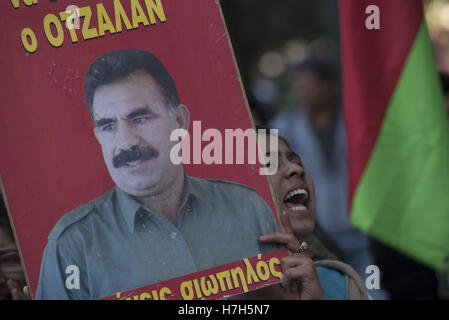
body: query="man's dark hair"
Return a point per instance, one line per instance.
(323, 67)
(117, 65)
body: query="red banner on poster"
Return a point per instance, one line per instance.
(219, 282)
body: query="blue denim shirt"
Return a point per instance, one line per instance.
(118, 244)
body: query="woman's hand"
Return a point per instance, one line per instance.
(300, 279)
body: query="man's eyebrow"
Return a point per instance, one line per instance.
(136, 113)
(140, 112)
(104, 121)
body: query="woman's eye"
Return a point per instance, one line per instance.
(298, 162)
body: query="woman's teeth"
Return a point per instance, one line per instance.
(296, 199)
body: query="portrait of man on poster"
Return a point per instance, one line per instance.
(157, 222)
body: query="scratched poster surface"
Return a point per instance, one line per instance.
(55, 155)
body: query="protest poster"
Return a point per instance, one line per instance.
(52, 159)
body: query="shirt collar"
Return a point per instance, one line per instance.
(191, 188)
(130, 206)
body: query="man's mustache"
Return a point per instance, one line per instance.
(134, 154)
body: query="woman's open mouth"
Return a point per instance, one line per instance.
(297, 200)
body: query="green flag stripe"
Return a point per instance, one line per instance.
(403, 196)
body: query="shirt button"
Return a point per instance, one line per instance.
(173, 235)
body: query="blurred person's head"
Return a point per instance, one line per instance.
(294, 189)
(10, 265)
(314, 85)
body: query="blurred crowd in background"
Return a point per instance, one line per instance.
(289, 59)
(292, 74)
